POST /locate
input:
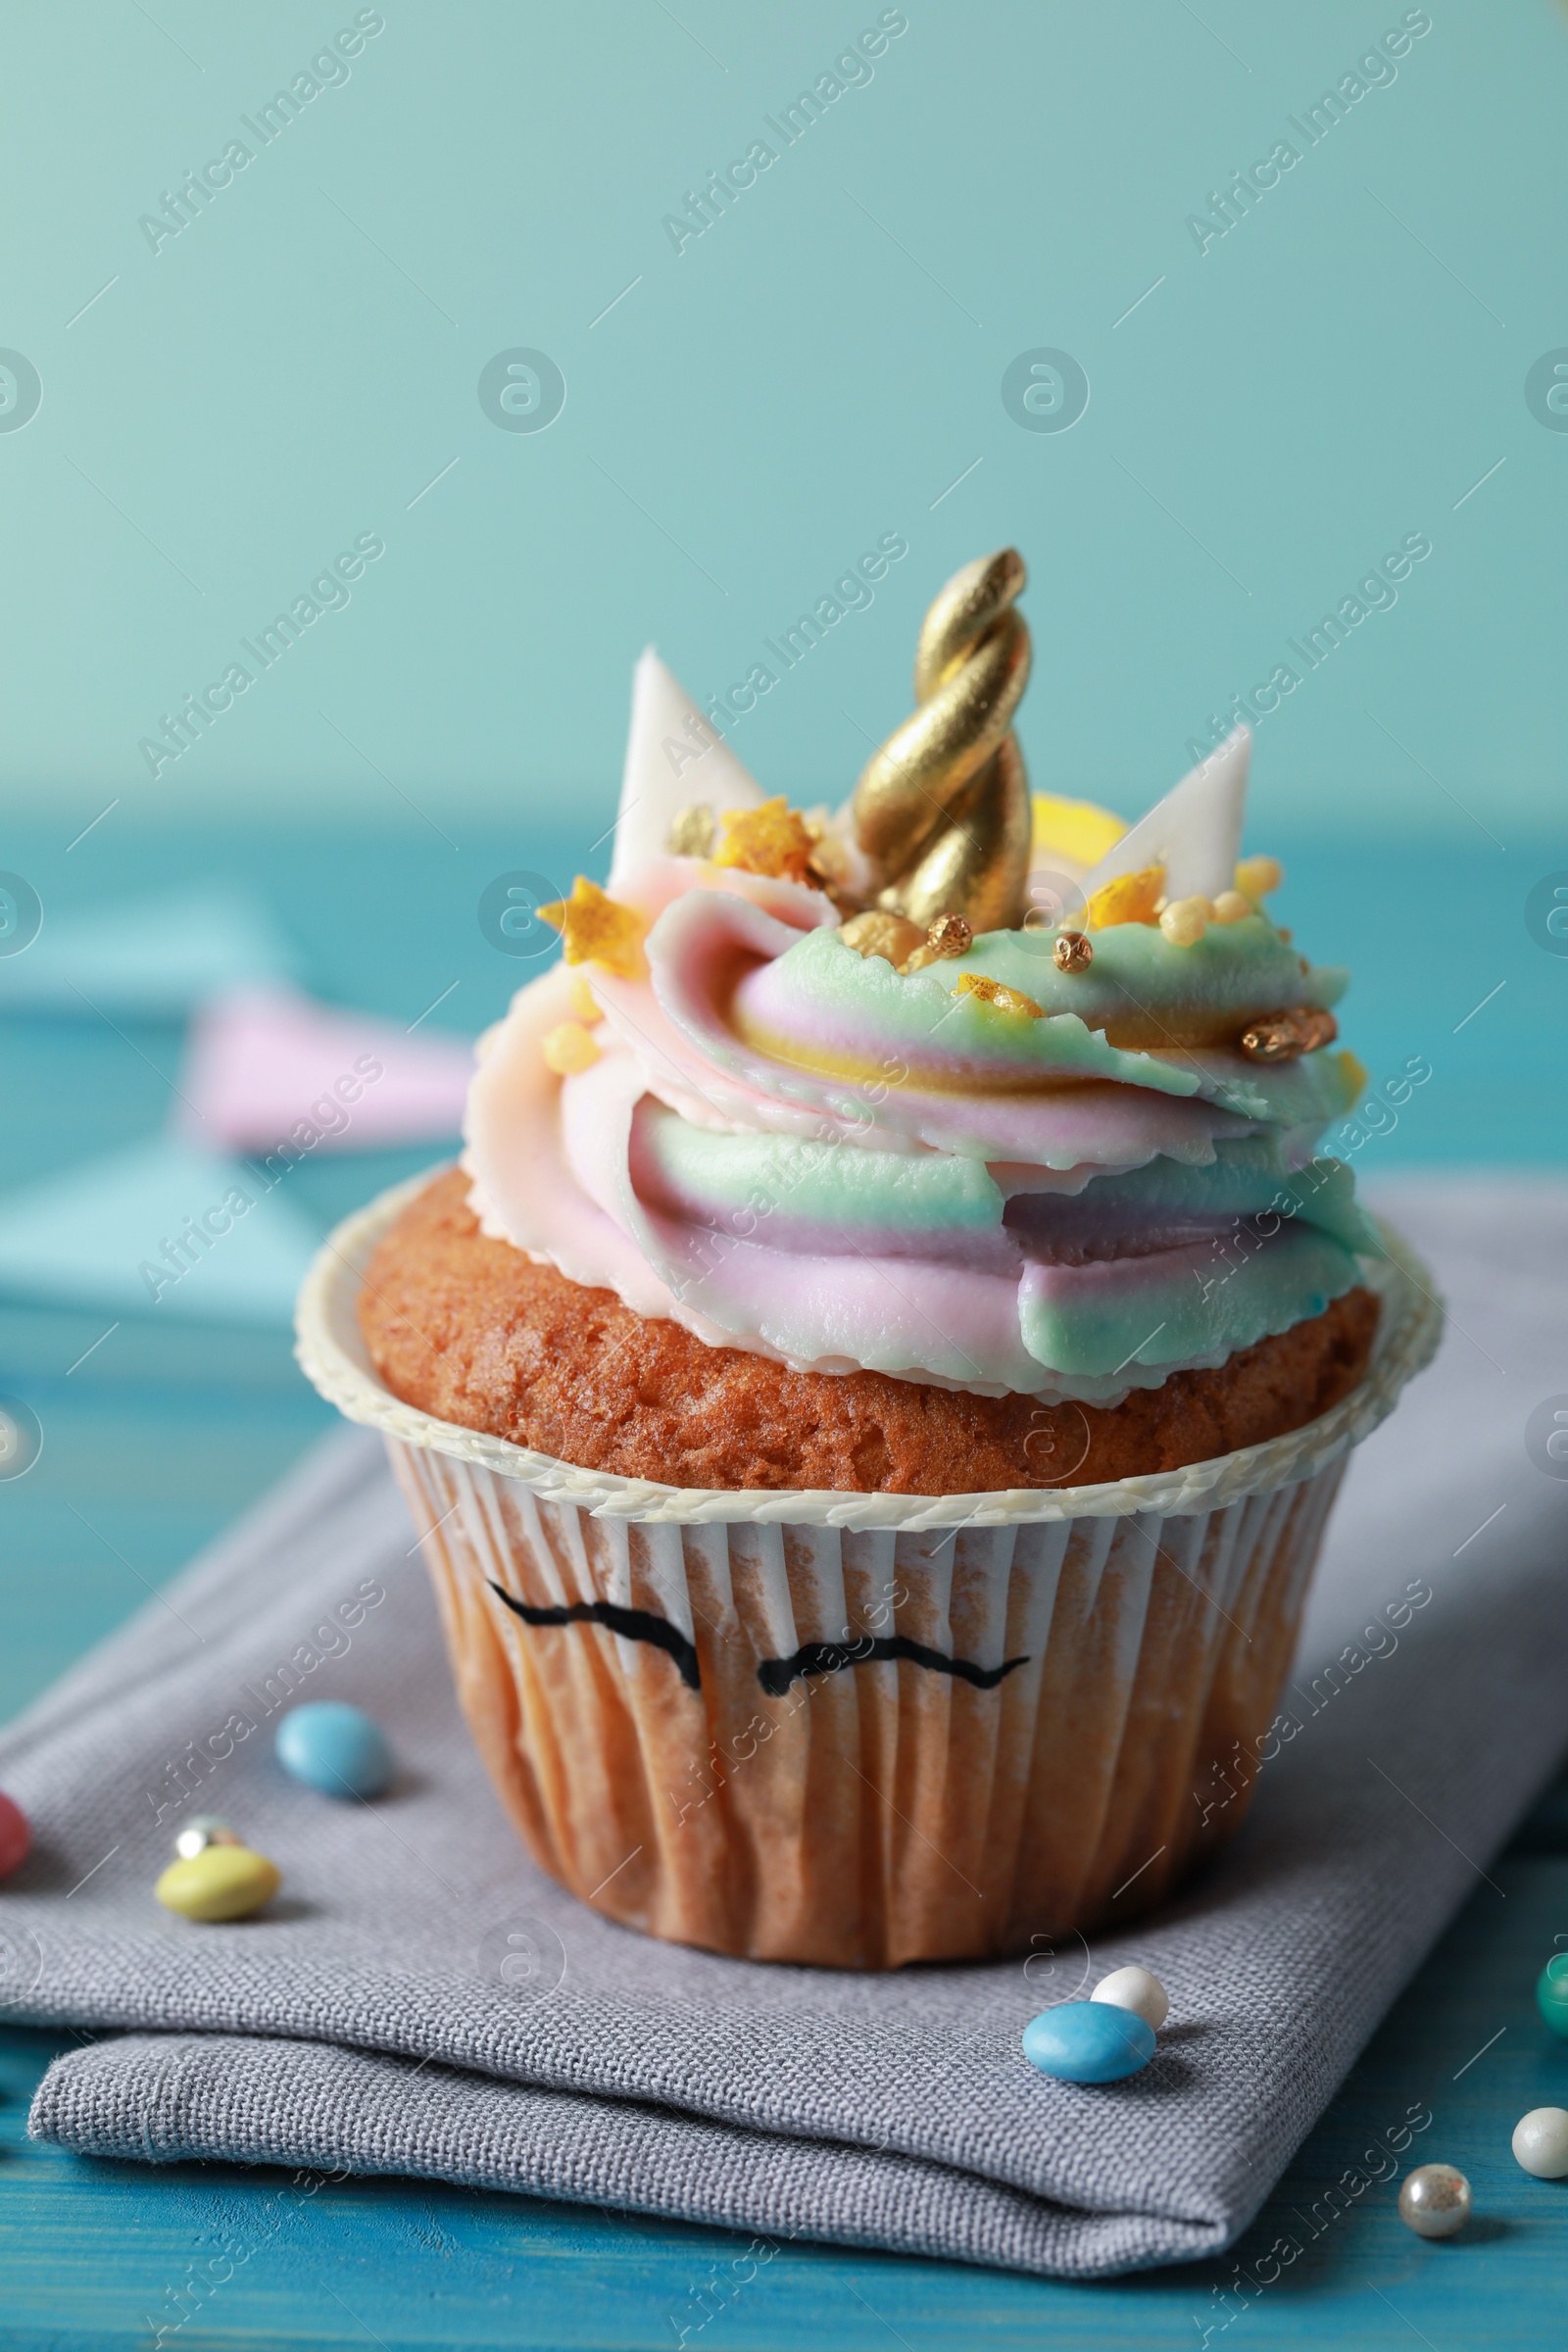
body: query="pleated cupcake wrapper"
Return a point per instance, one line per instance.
(863, 1730)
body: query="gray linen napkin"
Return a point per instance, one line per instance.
(420, 2000)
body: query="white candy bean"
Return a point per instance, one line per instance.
(1136, 1990)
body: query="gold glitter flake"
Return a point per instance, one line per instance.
(998, 995)
(692, 833)
(1285, 1036)
(1130, 898)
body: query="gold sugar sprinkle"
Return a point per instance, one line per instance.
(949, 935)
(1256, 877)
(1184, 922)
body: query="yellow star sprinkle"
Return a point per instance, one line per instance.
(772, 840)
(997, 992)
(599, 930)
(1130, 898)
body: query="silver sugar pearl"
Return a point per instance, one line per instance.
(1435, 2200)
(202, 1831)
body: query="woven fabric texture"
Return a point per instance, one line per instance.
(419, 1999)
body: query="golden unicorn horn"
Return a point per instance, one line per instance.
(943, 809)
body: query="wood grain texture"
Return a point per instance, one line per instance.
(165, 1435)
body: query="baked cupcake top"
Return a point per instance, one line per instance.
(944, 1085)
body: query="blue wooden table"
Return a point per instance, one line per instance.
(156, 1442)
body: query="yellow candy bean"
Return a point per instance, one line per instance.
(1185, 922)
(1230, 906)
(226, 1882)
(583, 1002)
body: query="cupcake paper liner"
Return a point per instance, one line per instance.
(862, 1730)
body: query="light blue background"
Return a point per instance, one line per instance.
(302, 361)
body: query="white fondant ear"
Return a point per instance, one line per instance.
(674, 755)
(1195, 832)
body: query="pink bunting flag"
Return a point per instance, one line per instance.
(264, 1062)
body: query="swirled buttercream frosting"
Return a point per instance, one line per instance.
(1066, 1158)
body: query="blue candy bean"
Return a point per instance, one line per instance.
(338, 1750)
(1088, 2041)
